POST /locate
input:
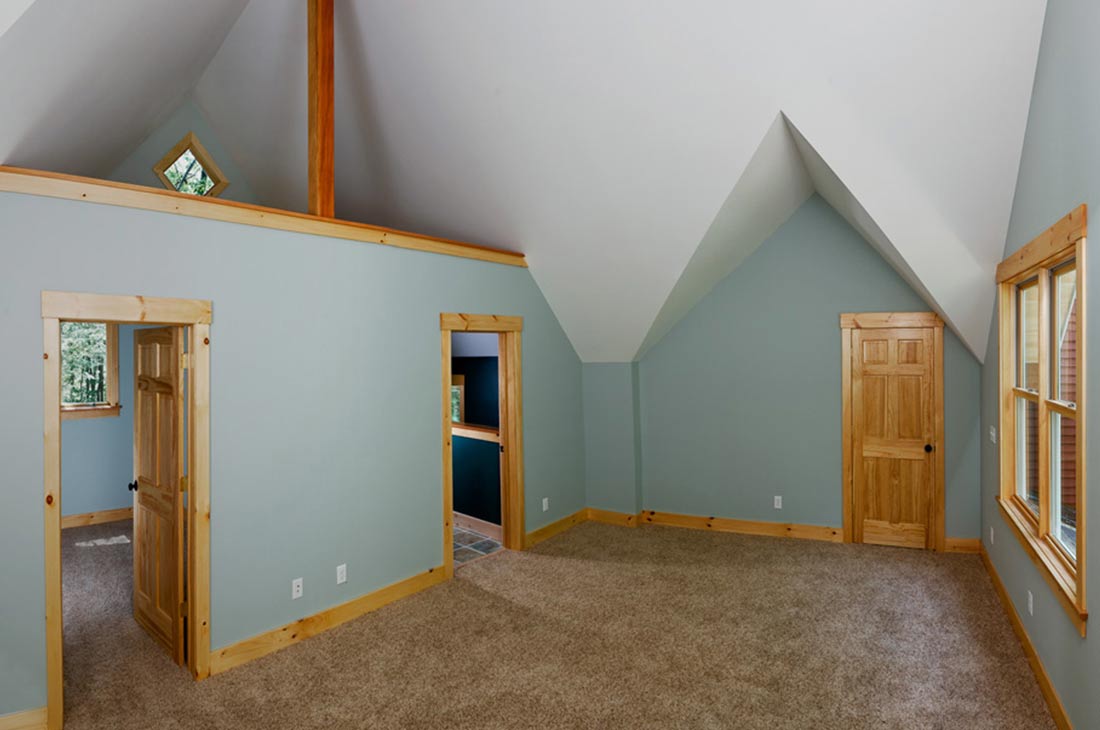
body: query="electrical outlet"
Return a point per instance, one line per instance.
(1030, 604)
(296, 589)
(991, 535)
(545, 503)
(992, 434)
(341, 573)
(778, 502)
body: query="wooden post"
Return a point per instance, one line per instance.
(322, 118)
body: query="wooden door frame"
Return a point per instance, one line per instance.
(510, 367)
(892, 320)
(196, 314)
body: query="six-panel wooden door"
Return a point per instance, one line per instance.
(158, 504)
(894, 435)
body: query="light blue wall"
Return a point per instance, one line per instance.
(741, 400)
(97, 461)
(325, 413)
(1060, 169)
(138, 167)
(612, 476)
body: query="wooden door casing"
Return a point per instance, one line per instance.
(158, 504)
(893, 429)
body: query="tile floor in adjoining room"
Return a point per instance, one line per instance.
(470, 545)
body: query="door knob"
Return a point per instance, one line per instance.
(132, 486)
(928, 448)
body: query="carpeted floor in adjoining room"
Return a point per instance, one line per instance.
(601, 627)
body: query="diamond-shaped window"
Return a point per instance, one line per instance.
(188, 168)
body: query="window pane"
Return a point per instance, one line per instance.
(1064, 334)
(1063, 481)
(456, 403)
(1027, 452)
(83, 363)
(1027, 339)
(187, 175)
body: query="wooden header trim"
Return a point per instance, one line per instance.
(105, 192)
(889, 320)
(106, 308)
(479, 322)
(1049, 244)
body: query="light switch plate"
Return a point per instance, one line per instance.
(341, 573)
(778, 502)
(992, 434)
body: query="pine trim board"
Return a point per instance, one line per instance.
(26, 720)
(97, 518)
(91, 190)
(1050, 694)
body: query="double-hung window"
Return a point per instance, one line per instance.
(89, 370)
(1042, 496)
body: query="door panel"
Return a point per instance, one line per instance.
(158, 505)
(893, 436)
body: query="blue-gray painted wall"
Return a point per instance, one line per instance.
(137, 168)
(1060, 169)
(741, 400)
(612, 476)
(325, 405)
(98, 459)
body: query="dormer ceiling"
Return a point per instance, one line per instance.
(636, 152)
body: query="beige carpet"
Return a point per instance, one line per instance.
(601, 627)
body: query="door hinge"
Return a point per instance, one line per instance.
(185, 360)
(183, 484)
(183, 608)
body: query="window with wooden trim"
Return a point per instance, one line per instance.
(189, 168)
(1042, 419)
(89, 370)
(458, 398)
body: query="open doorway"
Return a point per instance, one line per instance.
(125, 585)
(475, 446)
(123, 391)
(482, 436)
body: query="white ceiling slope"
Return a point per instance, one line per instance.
(601, 138)
(602, 143)
(84, 82)
(10, 10)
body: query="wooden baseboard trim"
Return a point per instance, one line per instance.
(744, 527)
(555, 528)
(245, 651)
(1054, 703)
(26, 720)
(970, 545)
(480, 526)
(96, 518)
(622, 519)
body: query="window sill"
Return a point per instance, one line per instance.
(1062, 578)
(75, 413)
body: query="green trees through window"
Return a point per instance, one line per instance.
(187, 175)
(83, 363)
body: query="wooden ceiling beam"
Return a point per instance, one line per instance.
(322, 115)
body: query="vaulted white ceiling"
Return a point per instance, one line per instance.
(84, 82)
(636, 152)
